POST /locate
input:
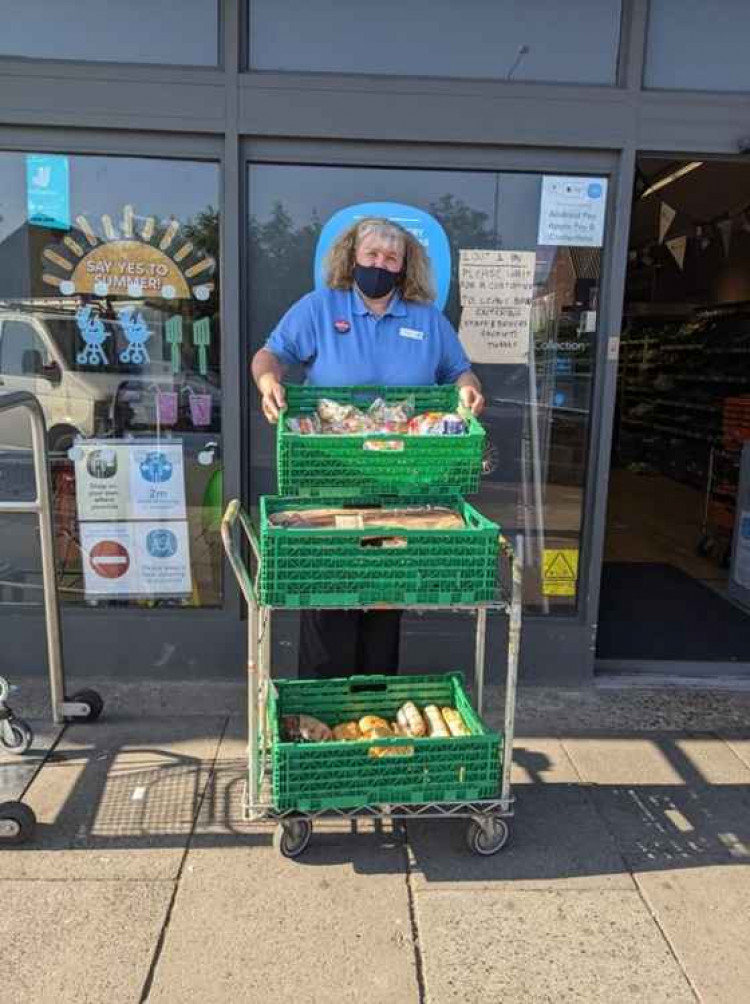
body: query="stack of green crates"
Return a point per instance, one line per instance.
(361, 567)
(355, 567)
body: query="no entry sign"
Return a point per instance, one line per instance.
(109, 559)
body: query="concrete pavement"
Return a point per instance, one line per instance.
(627, 877)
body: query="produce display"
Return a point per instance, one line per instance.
(332, 418)
(433, 722)
(412, 517)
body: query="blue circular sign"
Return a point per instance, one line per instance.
(161, 543)
(595, 190)
(424, 227)
(156, 468)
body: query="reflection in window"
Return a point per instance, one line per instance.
(178, 32)
(690, 48)
(504, 40)
(537, 419)
(109, 316)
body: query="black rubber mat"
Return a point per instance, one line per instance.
(657, 611)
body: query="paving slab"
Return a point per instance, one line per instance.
(658, 758)
(117, 800)
(521, 947)
(557, 839)
(247, 924)
(17, 772)
(541, 760)
(679, 812)
(87, 942)
(705, 914)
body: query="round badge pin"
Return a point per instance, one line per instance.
(342, 326)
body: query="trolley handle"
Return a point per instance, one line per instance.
(234, 513)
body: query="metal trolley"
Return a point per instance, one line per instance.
(488, 829)
(17, 820)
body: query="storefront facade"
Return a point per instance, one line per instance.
(187, 188)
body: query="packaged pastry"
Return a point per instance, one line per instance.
(347, 732)
(410, 720)
(305, 728)
(455, 723)
(368, 723)
(435, 722)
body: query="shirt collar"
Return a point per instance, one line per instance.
(396, 306)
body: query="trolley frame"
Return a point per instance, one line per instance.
(257, 803)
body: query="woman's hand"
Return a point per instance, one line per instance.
(273, 397)
(471, 398)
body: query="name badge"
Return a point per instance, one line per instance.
(417, 336)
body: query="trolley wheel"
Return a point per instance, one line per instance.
(94, 702)
(292, 836)
(486, 835)
(17, 823)
(22, 739)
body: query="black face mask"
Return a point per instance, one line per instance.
(375, 282)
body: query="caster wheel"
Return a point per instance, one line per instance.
(22, 739)
(94, 702)
(486, 835)
(17, 823)
(292, 837)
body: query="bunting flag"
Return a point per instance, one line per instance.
(725, 229)
(677, 247)
(666, 218)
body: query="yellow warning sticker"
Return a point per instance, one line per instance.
(560, 572)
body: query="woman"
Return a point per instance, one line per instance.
(374, 324)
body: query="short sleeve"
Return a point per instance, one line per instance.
(453, 359)
(293, 340)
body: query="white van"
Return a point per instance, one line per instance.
(38, 353)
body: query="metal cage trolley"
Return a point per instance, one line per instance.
(487, 817)
(17, 820)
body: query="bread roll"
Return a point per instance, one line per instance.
(411, 720)
(455, 722)
(370, 722)
(347, 732)
(435, 724)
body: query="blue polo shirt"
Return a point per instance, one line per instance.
(338, 341)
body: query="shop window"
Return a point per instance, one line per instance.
(538, 391)
(174, 32)
(109, 316)
(504, 40)
(691, 48)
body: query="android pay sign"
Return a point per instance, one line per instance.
(131, 506)
(572, 210)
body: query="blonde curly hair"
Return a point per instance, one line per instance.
(415, 283)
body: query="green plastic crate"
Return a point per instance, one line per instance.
(317, 464)
(346, 775)
(362, 567)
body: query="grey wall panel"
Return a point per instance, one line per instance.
(431, 112)
(700, 123)
(112, 103)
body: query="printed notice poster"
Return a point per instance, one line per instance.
(129, 479)
(122, 560)
(496, 290)
(157, 481)
(572, 211)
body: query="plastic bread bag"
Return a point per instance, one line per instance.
(332, 413)
(304, 425)
(392, 417)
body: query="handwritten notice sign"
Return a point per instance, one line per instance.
(496, 290)
(572, 211)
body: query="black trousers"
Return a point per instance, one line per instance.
(348, 643)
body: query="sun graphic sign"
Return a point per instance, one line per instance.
(149, 259)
